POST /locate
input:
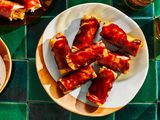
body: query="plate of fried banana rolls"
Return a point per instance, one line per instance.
(92, 59)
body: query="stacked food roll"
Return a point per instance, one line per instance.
(75, 63)
(14, 11)
(11, 10)
(88, 28)
(87, 55)
(32, 5)
(116, 36)
(60, 48)
(115, 61)
(101, 85)
(76, 78)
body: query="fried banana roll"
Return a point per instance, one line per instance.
(76, 78)
(98, 91)
(11, 10)
(60, 48)
(32, 5)
(86, 56)
(115, 61)
(116, 36)
(88, 27)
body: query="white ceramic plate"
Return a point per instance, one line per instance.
(127, 86)
(2, 72)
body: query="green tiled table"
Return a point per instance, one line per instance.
(24, 98)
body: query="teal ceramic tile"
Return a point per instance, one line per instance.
(16, 90)
(20, 52)
(76, 2)
(36, 91)
(34, 32)
(137, 112)
(15, 40)
(149, 86)
(158, 77)
(12, 111)
(157, 8)
(147, 27)
(79, 117)
(56, 7)
(144, 12)
(47, 111)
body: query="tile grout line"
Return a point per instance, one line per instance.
(114, 116)
(67, 4)
(27, 59)
(156, 112)
(41, 101)
(19, 60)
(153, 10)
(70, 118)
(26, 43)
(27, 112)
(31, 59)
(27, 116)
(157, 96)
(13, 102)
(147, 103)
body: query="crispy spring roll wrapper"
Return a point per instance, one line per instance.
(98, 91)
(11, 10)
(115, 61)
(32, 5)
(88, 27)
(116, 36)
(76, 78)
(60, 48)
(86, 56)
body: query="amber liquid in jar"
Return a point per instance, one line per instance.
(137, 4)
(157, 28)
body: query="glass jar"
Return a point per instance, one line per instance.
(137, 4)
(157, 25)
